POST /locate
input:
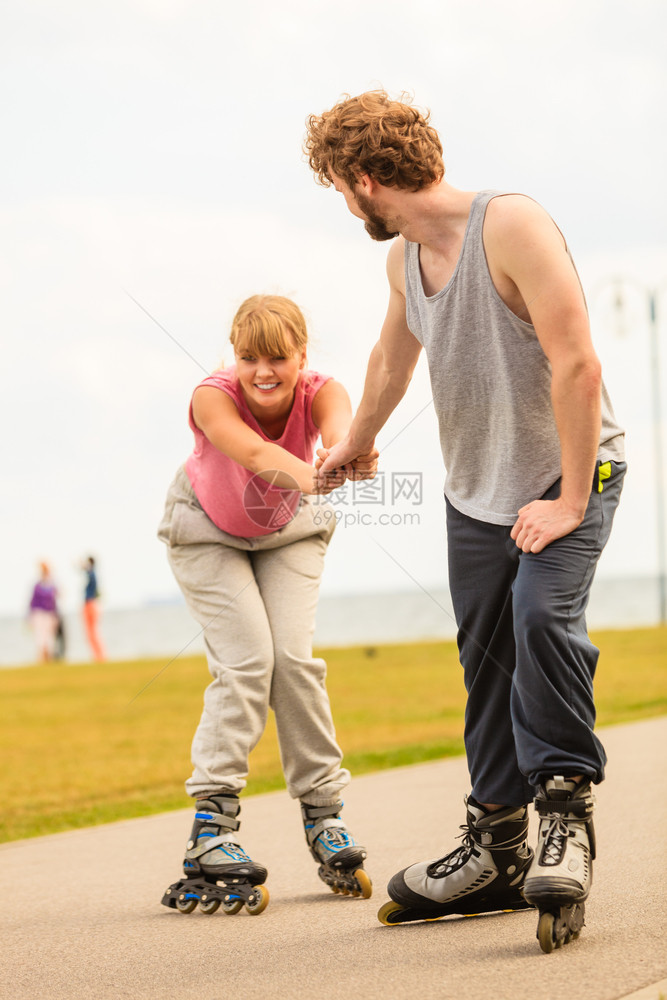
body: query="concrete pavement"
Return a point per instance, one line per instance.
(81, 914)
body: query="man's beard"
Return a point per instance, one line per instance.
(375, 225)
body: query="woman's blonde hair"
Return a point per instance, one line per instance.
(372, 134)
(263, 325)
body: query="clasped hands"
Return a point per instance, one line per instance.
(361, 467)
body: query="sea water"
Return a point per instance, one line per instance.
(166, 630)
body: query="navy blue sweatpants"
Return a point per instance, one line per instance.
(527, 659)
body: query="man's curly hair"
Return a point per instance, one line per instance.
(372, 134)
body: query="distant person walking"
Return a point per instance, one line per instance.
(43, 614)
(91, 611)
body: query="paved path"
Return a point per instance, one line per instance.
(81, 916)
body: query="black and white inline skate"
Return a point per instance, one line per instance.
(218, 872)
(340, 859)
(560, 877)
(484, 874)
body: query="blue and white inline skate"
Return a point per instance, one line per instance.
(218, 872)
(340, 859)
(559, 879)
(484, 874)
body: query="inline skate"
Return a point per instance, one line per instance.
(218, 872)
(340, 859)
(560, 877)
(484, 874)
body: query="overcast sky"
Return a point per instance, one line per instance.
(152, 155)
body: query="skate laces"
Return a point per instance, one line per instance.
(555, 840)
(334, 839)
(456, 858)
(235, 853)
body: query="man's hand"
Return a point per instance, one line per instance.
(343, 454)
(364, 466)
(542, 522)
(327, 482)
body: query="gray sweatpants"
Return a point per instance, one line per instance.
(256, 600)
(528, 661)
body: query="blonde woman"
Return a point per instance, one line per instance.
(247, 545)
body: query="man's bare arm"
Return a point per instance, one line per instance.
(529, 250)
(390, 368)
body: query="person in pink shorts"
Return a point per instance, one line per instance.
(91, 611)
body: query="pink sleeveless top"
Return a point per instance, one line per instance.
(236, 500)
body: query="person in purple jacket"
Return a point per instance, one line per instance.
(43, 614)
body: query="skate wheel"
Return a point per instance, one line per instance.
(231, 906)
(186, 905)
(365, 884)
(545, 933)
(260, 902)
(389, 914)
(209, 905)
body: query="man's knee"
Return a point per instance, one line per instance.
(536, 611)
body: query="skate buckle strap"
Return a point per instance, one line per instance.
(579, 808)
(498, 838)
(314, 812)
(483, 838)
(503, 836)
(223, 820)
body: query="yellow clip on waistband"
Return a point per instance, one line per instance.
(604, 472)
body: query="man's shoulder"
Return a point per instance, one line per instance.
(513, 209)
(397, 249)
(517, 224)
(396, 264)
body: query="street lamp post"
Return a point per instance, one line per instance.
(657, 444)
(652, 296)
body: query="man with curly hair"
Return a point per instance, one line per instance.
(484, 283)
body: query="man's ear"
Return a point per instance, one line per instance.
(367, 184)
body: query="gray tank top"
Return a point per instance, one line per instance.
(491, 385)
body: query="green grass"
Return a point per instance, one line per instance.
(88, 744)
